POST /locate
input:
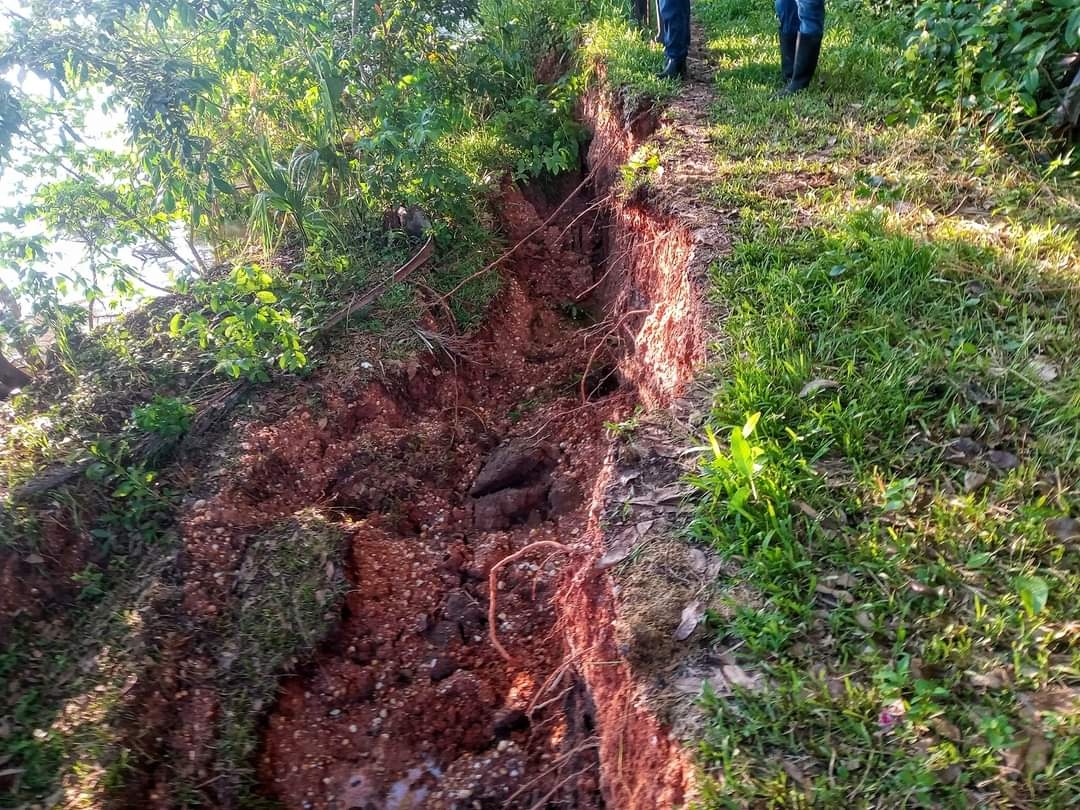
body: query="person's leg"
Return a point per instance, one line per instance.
(639, 10)
(676, 17)
(659, 23)
(811, 17)
(787, 12)
(811, 29)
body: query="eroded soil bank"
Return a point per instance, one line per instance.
(467, 461)
(429, 473)
(410, 704)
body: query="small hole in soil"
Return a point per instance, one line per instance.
(601, 381)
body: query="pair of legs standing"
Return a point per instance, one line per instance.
(802, 24)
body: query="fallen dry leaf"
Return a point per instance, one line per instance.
(795, 773)
(994, 679)
(1063, 700)
(922, 589)
(844, 580)
(1064, 528)
(814, 386)
(974, 480)
(1043, 368)
(946, 729)
(691, 616)
(622, 548)
(737, 676)
(840, 596)
(1037, 755)
(34, 559)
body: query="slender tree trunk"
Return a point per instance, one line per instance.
(93, 300)
(10, 319)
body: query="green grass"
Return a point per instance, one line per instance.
(630, 61)
(903, 315)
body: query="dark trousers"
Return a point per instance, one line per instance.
(675, 15)
(639, 9)
(801, 16)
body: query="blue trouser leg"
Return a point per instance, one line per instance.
(675, 15)
(801, 16)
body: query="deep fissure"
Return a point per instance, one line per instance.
(408, 705)
(453, 468)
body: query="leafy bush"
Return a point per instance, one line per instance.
(168, 417)
(999, 65)
(245, 328)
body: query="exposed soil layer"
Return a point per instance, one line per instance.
(410, 704)
(443, 472)
(435, 473)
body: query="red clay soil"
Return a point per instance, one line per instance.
(437, 476)
(29, 583)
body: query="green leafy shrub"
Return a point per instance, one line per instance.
(168, 417)
(244, 327)
(999, 65)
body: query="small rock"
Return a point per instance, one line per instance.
(500, 509)
(1003, 460)
(463, 609)
(443, 668)
(973, 480)
(511, 464)
(965, 447)
(444, 633)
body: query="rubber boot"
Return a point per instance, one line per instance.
(673, 70)
(788, 43)
(806, 58)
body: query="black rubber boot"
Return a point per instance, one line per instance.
(673, 70)
(788, 43)
(806, 58)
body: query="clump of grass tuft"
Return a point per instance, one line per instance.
(288, 597)
(629, 61)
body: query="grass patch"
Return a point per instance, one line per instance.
(289, 591)
(897, 447)
(630, 61)
(68, 726)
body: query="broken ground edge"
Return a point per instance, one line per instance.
(632, 612)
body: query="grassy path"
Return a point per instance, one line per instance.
(898, 445)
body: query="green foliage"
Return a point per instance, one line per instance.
(244, 328)
(1000, 65)
(305, 119)
(627, 60)
(898, 601)
(168, 417)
